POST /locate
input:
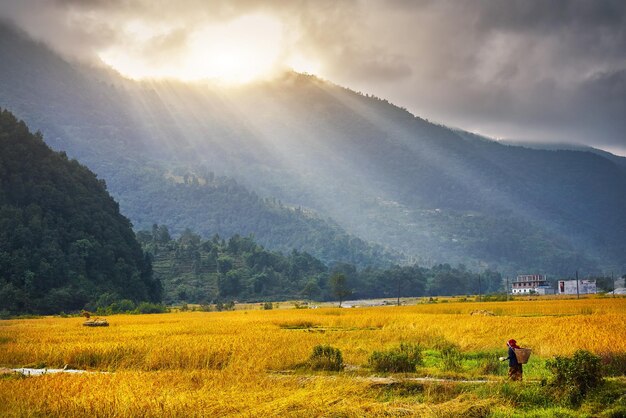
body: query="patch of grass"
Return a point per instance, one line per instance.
(441, 392)
(452, 359)
(613, 364)
(6, 340)
(550, 412)
(491, 365)
(484, 363)
(403, 358)
(325, 357)
(298, 325)
(610, 398)
(526, 395)
(387, 392)
(12, 376)
(440, 342)
(586, 311)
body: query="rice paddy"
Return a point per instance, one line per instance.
(249, 362)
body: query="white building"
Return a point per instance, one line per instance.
(531, 283)
(568, 287)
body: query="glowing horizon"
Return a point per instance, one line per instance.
(242, 50)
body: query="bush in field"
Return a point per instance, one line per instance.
(575, 376)
(404, 358)
(491, 365)
(124, 305)
(228, 306)
(452, 358)
(325, 357)
(268, 306)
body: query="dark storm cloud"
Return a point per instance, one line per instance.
(549, 16)
(527, 69)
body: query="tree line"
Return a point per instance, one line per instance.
(193, 270)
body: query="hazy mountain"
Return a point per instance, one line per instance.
(568, 147)
(382, 174)
(109, 127)
(63, 242)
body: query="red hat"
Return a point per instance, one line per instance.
(512, 343)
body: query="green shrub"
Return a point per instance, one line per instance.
(325, 357)
(267, 306)
(452, 358)
(228, 306)
(491, 365)
(575, 376)
(497, 297)
(404, 358)
(124, 305)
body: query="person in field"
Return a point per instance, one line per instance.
(515, 368)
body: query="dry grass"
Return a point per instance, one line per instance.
(220, 363)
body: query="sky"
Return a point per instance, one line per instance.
(526, 70)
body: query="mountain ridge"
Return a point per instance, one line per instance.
(63, 242)
(380, 172)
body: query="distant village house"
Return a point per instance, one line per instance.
(570, 287)
(531, 284)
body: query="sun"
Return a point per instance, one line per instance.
(238, 51)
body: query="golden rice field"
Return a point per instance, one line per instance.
(243, 363)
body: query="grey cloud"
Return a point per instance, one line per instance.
(517, 68)
(549, 16)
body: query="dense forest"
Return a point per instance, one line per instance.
(63, 241)
(211, 204)
(194, 270)
(359, 179)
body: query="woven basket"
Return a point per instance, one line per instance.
(522, 354)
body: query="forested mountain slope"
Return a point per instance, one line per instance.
(63, 242)
(193, 270)
(82, 112)
(382, 174)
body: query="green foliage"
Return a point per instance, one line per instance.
(228, 306)
(497, 297)
(268, 306)
(491, 365)
(63, 241)
(325, 357)
(123, 305)
(150, 308)
(339, 287)
(404, 358)
(452, 358)
(613, 364)
(199, 271)
(193, 270)
(576, 376)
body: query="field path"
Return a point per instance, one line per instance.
(40, 372)
(380, 380)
